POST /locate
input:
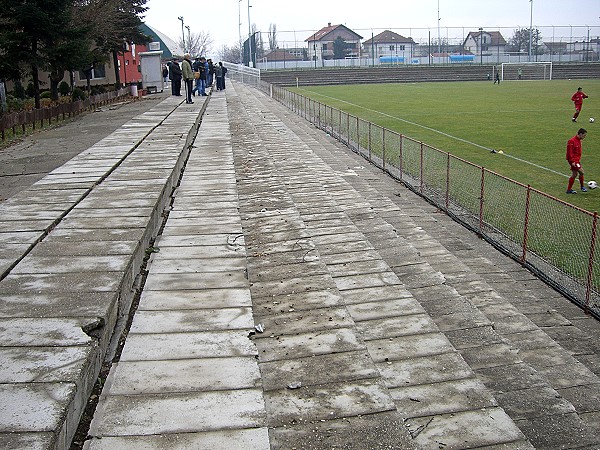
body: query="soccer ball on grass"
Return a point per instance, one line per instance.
(592, 184)
(592, 120)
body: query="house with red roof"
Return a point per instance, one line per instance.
(321, 44)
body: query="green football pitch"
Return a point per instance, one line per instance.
(529, 122)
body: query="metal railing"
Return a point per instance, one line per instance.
(554, 239)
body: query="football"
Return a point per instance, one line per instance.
(592, 184)
(592, 120)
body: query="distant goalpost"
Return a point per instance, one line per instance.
(539, 70)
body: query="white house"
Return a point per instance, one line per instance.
(389, 44)
(485, 43)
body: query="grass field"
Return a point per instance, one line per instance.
(529, 121)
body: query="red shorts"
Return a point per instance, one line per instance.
(575, 166)
(578, 108)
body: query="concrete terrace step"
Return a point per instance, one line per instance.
(73, 245)
(474, 317)
(425, 378)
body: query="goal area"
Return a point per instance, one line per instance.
(526, 71)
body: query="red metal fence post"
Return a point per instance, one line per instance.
(400, 156)
(526, 225)
(383, 147)
(447, 181)
(590, 277)
(357, 135)
(421, 169)
(348, 135)
(369, 144)
(481, 200)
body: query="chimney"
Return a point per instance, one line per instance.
(328, 24)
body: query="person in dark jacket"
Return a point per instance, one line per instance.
(211, 73)
(220, 72)
(175, 75)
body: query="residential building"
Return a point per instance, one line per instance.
(321, 44)
(389, 45)
(278, 55)
(485, 43)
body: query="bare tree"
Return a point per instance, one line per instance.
(272, 37)
(231, 54)
(197, 44)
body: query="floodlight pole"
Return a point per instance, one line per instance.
(439, 35)
(530, 29)
(481, 45)
(182, 33)
(251, 62)
(189, 37)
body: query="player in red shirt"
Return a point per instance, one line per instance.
(574, 159)
(577, 98)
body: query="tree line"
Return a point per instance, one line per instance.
(58, 36)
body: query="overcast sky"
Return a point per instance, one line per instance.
(225, 20)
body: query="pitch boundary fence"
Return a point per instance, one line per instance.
(553, 239)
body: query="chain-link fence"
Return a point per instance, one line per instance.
(555, 240)
(561, 44)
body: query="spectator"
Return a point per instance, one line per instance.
(188, 77)
(175, 77)
(211, 73)
(165, 74)
(220, 72)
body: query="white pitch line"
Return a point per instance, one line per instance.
(439, 132)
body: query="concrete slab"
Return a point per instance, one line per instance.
(328, 401)
(511, 377)
(291, 321)
(291, 286)
(299, 301)
(43, 364)
(172, 280)
(34, 407)
(150, 347)
(396, 326)
(478, 428)
(178, 413)
(349, 366)
(424, 370)
(387, 278)
(192, 299)
(199, 252)
(495, 355)
(378, 431)
(534, 402)
(366, 295)
(188, 375)
(385, 308)
(307, 344)
(72, 264)
(444, 397)
(192, 320)
(403, 347)
(19, 237)
(555, 431)
(30, 441)
(474, 337)
(32, 331)
(87, 248)
(242, 439)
